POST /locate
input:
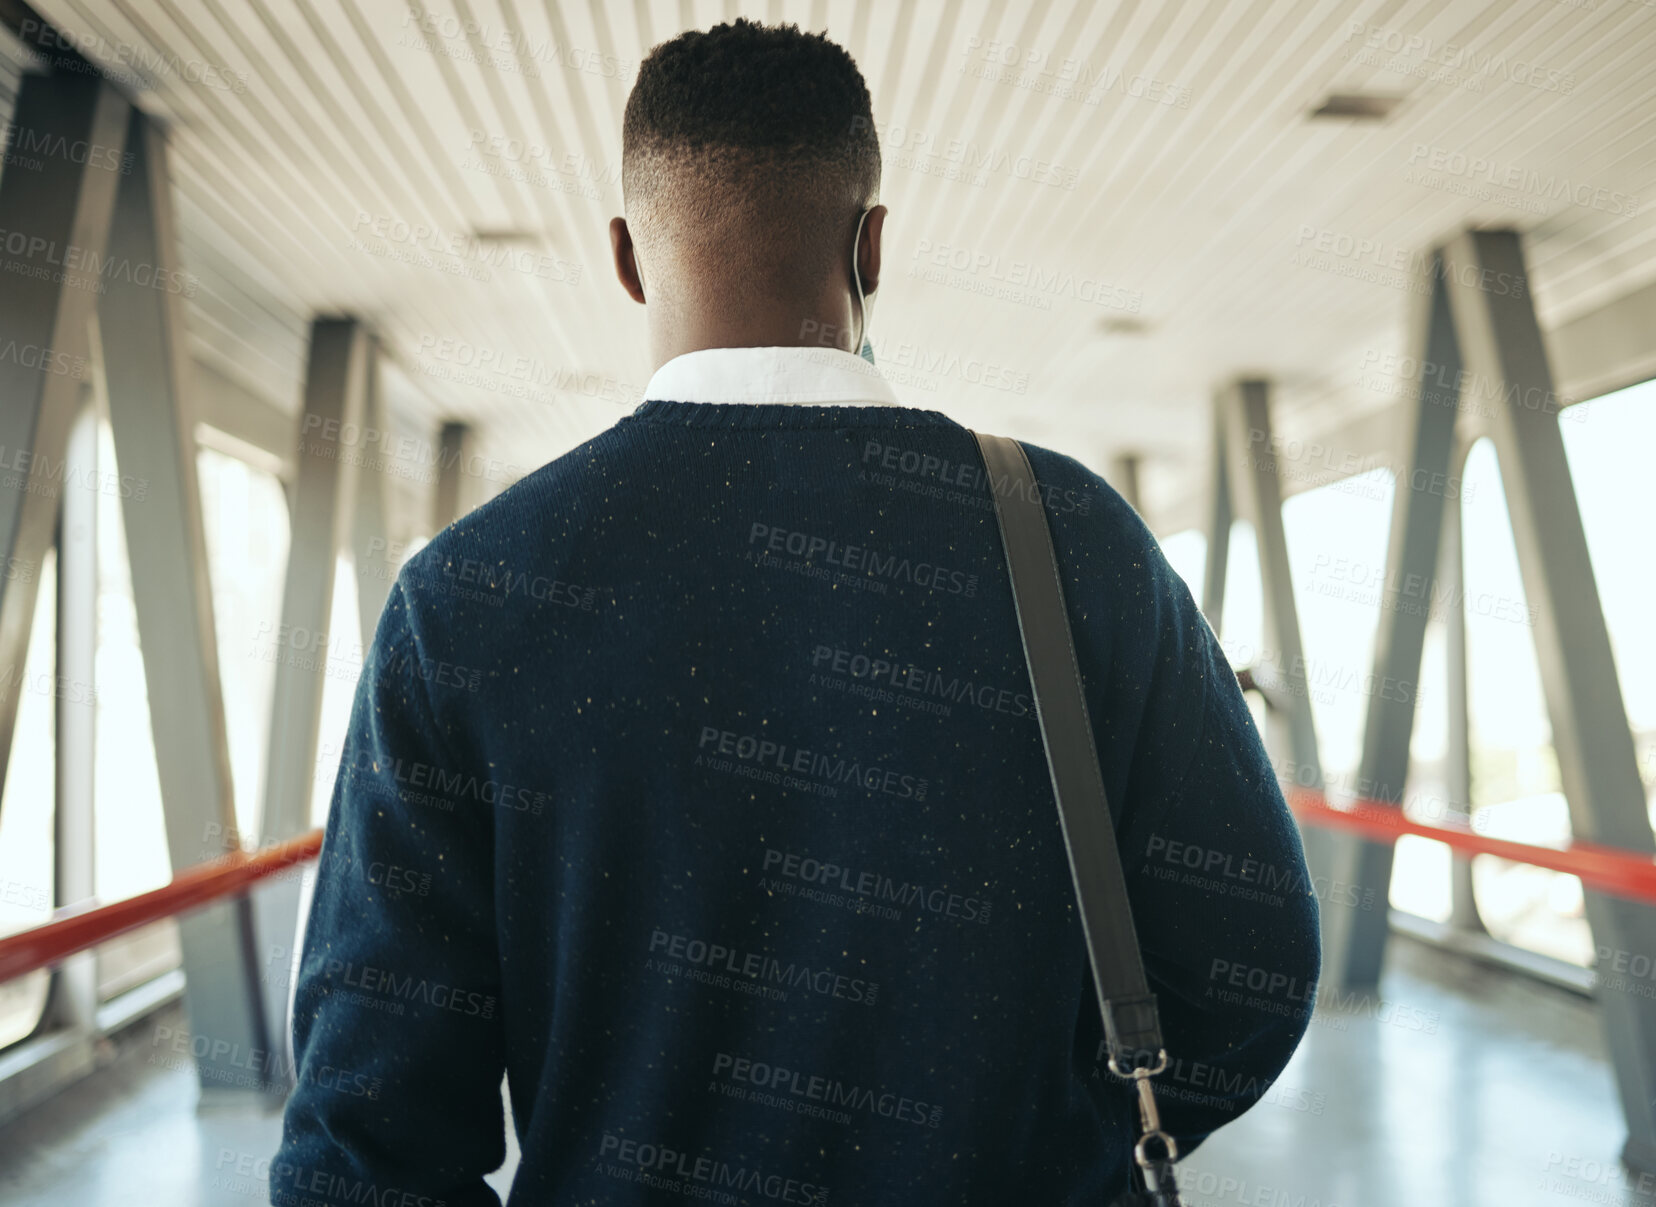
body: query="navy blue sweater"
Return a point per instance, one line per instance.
(693, 783)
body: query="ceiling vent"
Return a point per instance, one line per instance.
(1357, 106)
(517, 238)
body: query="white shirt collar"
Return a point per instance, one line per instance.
(822, 376)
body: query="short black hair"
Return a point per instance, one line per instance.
(765, 125)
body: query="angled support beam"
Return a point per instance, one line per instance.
(1500, 342)
(1257, 488)
(55, 207)
(1354, 940)
(145, 376)
(1254, 485)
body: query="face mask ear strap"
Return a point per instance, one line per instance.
(856, 277)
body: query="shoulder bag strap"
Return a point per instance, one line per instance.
(1132, 1030)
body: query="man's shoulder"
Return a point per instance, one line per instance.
(1081, 499)
(544, 494)
(524, 522)
(1105, 545)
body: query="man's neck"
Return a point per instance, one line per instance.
(826, 326)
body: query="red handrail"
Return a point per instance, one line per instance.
(1607, 869)
(78, 927)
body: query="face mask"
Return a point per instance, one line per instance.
(856, 276)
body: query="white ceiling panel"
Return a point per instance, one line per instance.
(1098, 210)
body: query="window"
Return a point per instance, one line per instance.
(1422, 868)
(129, 833)
(1242, 622)
(1516, 781)
(1186, 552)
(1608, 449)
(29, 798)
(1242, 617)
(1337, 536)
(1337, 541)
(1515, 785)
(345, 652)
(246, 518)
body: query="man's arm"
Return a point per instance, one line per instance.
(397, 1027)
(1216, 872)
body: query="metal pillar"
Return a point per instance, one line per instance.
(1500, 341)
(1354, 941)
(145, 374)
(1124, 476)
(1463, 906)
(455, 446)
(325, 477)
(330, 446)
(57, 206)
(1219, 523)
(74, 1003)
(369, 533)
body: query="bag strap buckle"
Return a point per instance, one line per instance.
(1150, 1127)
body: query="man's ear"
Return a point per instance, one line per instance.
(868, 249)
(626, 263)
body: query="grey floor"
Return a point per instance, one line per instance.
(1463, 1086)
